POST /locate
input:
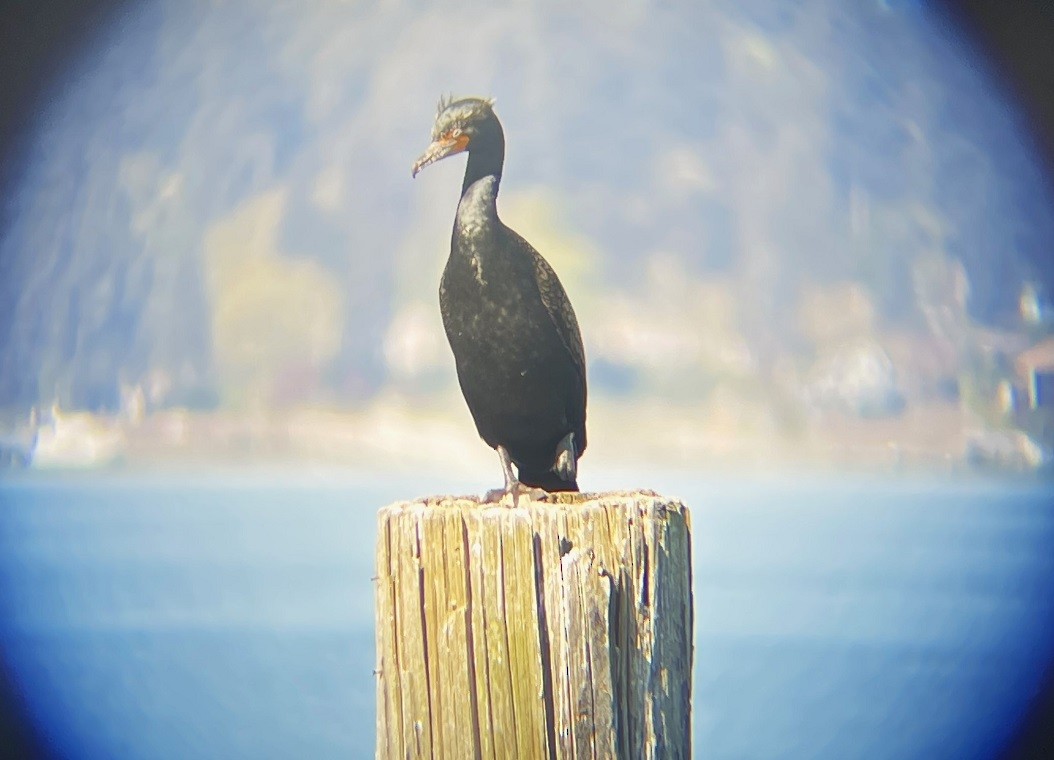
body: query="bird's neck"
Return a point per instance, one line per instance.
(477, 221)
(477, 213)
(485, 159)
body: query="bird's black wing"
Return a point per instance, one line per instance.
(558, 305)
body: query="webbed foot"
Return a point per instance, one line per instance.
(517, 491)
(513, 487)
(566, 465)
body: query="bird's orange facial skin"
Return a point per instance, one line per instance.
(446, 145)
(460, 144)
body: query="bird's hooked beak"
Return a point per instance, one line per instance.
(440, 149)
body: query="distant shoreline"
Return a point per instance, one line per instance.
(394, 435)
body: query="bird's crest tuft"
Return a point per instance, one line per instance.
(444, 102)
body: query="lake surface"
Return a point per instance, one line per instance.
(229, 616)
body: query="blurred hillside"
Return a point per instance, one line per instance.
(811, 208)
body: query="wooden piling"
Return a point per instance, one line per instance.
(557, 629)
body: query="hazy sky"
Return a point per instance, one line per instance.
(764, 146)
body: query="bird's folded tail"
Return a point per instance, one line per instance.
(550, 480)
(563, 476)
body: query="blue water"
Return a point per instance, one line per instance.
(231, 616)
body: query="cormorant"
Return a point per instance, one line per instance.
(514, 335)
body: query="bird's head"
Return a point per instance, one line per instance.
(460, 125)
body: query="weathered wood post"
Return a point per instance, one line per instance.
(558, 629)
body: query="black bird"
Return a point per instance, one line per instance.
(511, 327)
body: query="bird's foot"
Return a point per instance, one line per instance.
(513, 487)
(566, 465)
(515, 491)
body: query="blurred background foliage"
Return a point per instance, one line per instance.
(776, 219)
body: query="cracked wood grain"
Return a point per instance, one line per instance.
(557, 629)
